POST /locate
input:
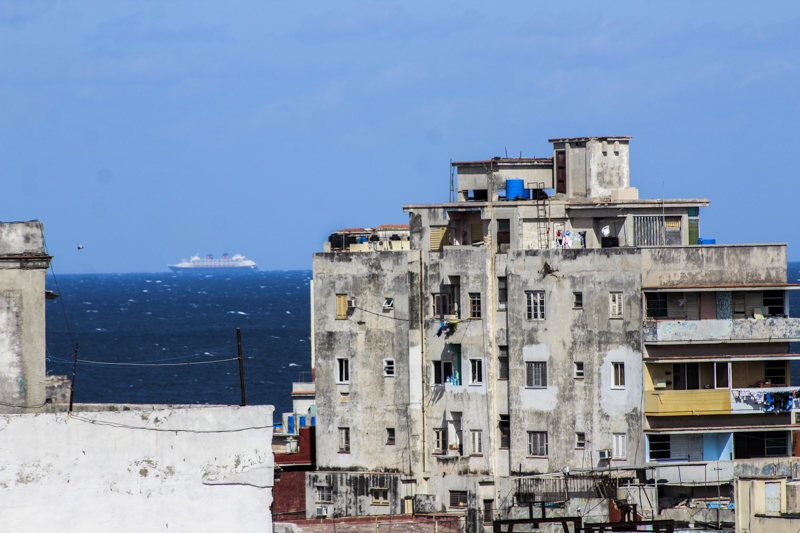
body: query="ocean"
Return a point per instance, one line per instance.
(124, 321)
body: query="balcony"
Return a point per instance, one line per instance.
(774, 329)
(687, 402)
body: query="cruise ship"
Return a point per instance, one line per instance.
(209, 264)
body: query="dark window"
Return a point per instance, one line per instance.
(476, 366)
(343, 375)
(458, 498)
(755, 444)
(561, 172)
(503, 234)
(441, 304)
(686, 376)
(502, 293)
(505, 431)
(775, 372)
(579, 370)
(441, 371)
(580, 441)
(656, 304)
(389, 436)
(659, 447)
(721, 371)
(474, 305)
(773, 301)
(577, 300)
(502, 363)
(488, 514)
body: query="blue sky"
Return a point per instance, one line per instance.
(150, 131)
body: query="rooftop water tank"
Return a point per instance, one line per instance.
(515, 189)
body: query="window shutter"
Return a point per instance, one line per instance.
(341, 306)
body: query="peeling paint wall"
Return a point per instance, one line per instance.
(184, 470)
(23, 266)
(592, 405)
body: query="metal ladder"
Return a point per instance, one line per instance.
(541, 214)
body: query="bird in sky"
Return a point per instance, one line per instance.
(80, 246)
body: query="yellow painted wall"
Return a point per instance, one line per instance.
(687, 402)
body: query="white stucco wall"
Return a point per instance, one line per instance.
(189, 469)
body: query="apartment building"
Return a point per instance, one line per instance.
(544, 320)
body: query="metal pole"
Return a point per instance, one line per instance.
(72, 387)
(241, 363)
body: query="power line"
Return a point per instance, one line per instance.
(86, 361)
(61, 296)
(126, 426)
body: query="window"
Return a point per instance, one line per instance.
(476, 366)
(344, 440)
(380, 496)
(537, 443)
(656, 304)
(324, 494)
(535, 305)
(659, 447)
(342, 370)
(488, 511)
(579, 370)
(388, 368)
(615, 305)
(458, 498)
(620, 444)
(774, 302)
(341, 306)
(503, 234)
(619, 375)
(474, 305)
(580, 441)
(441, 304)
(476, 447)
(685, 376)
(775, 372)
(442, 372)
(536, 374)
(577, 300)
(388, 304)
(721, 375)
(440, 440)
(502, 293)
(502, 362)
(505, 431)
(755, 444)
(390, 436)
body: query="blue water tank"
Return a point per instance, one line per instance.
(526, 194)
(302, 421)
(313, 420)
(706, 241)
(515, 189)
(291, 424)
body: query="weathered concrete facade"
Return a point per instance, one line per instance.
(526, 335)
(23, 266)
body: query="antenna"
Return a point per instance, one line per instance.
(506, 149)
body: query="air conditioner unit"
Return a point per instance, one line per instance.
(604, 454)
(351, 303)
(322, 512)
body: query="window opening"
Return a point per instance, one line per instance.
(477, 371)
(380, 496)
(659, 447)
(324, 494)
(577, 300)
(442, 372)
(775, 372)
(686, 376)
(537, 443)
(535, 305)
(474, 305)
(615, 304)
(505, 431)
(390, 436)
(536, 374)
(580, 441)
(440, 440)
(388, 367)
(502, 293)
(388, 304)
(656, 304)
(579, 370)
(458, 498)
(476, 444)
(502, 362)
(441, 305)
(344, 440)
(343, 370)
(503, 235)
(619, 375)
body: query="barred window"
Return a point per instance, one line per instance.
(458, 498)
(474, 305)
(344, 440)
(615, 305)
(536, 374)
(535, 305)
